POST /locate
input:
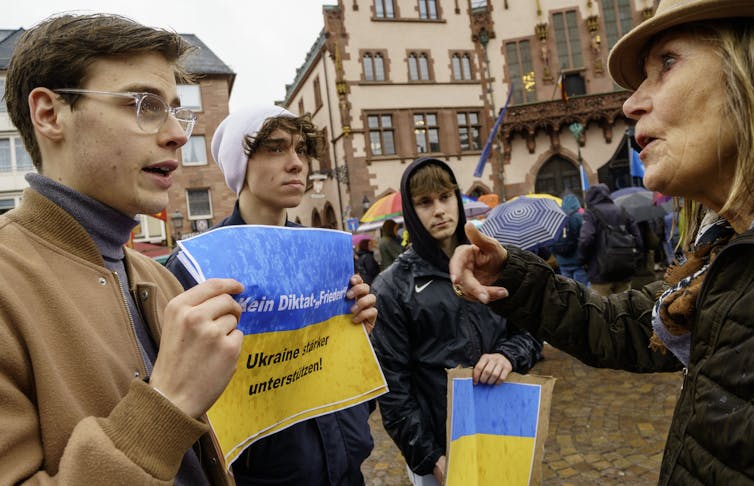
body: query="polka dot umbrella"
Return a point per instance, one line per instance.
(526, 222)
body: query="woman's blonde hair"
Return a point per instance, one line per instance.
(734, 41)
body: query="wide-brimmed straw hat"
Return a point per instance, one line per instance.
(625, 61)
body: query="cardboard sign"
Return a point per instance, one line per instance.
(496, 434)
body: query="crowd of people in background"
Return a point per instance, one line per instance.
(110, 361)
(572, 253)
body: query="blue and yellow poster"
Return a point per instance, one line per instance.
(496, 433)
(302, 356)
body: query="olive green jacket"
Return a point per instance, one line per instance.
(711, 438)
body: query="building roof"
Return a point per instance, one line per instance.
(301, 71)
(201, 61)
(8, 40)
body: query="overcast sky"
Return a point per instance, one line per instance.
(263, 41)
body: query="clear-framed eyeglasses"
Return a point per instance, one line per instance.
(151, 110)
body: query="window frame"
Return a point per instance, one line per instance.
(185, 89)
(459, 70)
(419, 65)
(317, 87)
(3, 106)
(374, 57)
(572, 58)
(146, 224)
(523, 66)
(191, 216)
(425, 7)
(382, 12)
(11, 196)
(15, 143)
(469, 126)
(429, 131)
(203, 152)
(380, 130)
(616, 25)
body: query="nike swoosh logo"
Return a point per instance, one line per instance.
(420, 288)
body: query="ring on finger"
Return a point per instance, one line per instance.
(458, 290)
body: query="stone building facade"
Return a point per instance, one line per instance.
(391, 80)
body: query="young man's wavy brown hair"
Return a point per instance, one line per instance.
(430, 179)
(301, 125)
(57, 53)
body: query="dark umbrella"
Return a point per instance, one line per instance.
(625, 191)
(526, 222)
(638, 203)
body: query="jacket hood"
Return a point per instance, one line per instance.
(422, 242)
(599, 193)
(570, 204)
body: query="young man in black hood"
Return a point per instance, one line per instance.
(425, 328)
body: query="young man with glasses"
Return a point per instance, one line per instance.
(264, 153)
(106, 367)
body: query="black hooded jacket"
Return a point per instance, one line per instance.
(598, 197)
(425, 328)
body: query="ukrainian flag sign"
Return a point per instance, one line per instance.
(302, 356)
(496, 433)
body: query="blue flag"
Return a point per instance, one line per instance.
(491, 138)
(584, 180)
(637, 168)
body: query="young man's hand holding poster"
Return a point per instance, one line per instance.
(302, 356)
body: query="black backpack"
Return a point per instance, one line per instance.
(568, 241)
(616, 252)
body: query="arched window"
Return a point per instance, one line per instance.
(461, 65)
(384, 9)
(466, 66)
(316, 219)
(374, 66)
(368, 67)
(418, 66)
(423, 67)
(413, 68)
(428, 9)
(379, 68)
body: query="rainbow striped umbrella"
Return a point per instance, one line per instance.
(386, 207)
(389, 207)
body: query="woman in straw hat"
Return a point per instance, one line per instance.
(691, 69)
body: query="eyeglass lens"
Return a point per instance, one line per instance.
(153, 113)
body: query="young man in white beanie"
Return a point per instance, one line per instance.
(264, 154)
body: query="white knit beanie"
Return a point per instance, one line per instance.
(228, 141)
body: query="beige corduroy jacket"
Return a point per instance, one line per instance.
(74, 408)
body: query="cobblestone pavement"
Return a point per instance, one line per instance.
(606, 427)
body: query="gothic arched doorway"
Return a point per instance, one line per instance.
(330, 220)
(316, 219)
(558, 176)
